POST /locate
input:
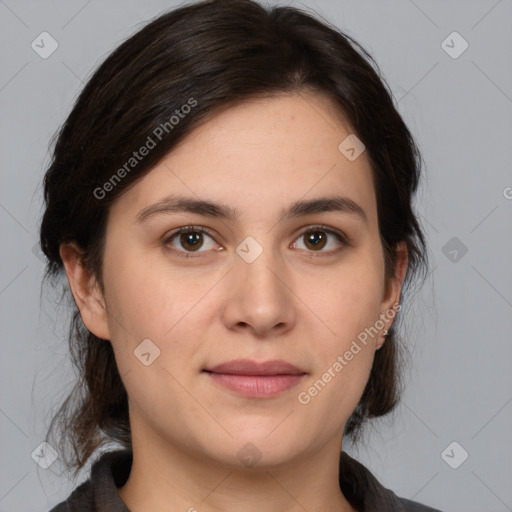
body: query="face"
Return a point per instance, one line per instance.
(250, 279)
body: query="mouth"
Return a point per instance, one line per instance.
(256, 380)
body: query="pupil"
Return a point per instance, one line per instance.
(316, 238)
(190, 239)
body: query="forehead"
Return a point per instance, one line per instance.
(260, 155)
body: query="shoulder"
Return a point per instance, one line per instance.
(365, 492)
(99, 492)
(414, 506)
(80, 499)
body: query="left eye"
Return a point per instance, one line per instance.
(316, 237)
(191, 239)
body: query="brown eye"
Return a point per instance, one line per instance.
(190, 239)
(317, 238)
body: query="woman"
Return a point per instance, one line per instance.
(231, 201)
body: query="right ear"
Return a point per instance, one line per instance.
(86, 291)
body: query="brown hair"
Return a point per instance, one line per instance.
(210, 55)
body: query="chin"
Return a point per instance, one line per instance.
(258, 451)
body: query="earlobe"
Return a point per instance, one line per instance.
(86, 291)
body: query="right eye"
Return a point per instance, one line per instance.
(189, 240)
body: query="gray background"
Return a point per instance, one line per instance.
(460, 110)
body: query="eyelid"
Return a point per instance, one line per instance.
(342, 238)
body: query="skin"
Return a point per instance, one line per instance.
(290, 303)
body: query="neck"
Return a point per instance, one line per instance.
(165, 478)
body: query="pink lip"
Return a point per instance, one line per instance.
(256, 380)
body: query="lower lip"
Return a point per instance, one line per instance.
(256, 386)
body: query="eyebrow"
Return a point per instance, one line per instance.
(179, 204)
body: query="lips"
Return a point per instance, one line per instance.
(256, 380)
(248, 367)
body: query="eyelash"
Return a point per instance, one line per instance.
(200, 229)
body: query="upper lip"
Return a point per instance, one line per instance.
(249, 367)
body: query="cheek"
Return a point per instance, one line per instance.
(172, 307)
(349, 308)
(343, 359)
(146, 297)
(344, 354)
(146, 303)
(351, 300)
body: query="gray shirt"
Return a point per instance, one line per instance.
(99, 493)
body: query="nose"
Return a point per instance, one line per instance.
(260, 296)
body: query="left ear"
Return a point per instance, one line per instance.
(394, 285)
